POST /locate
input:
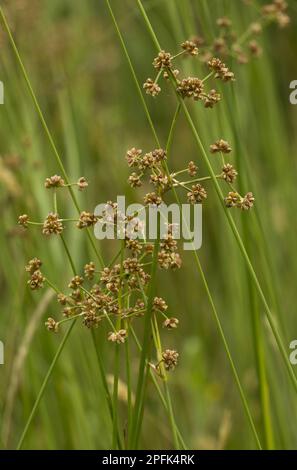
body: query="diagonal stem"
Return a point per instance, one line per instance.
(45, 126)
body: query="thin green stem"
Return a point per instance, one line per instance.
(52, 286)
(133, 73)
(105, 384)
(159, 391)
(129, 382)
(68, 255)
(115, 404)
(55, 202)
(115, 396)
(166, 388)
(172, 129)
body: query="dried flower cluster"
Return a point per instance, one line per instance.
(229, 175)
(113, 294)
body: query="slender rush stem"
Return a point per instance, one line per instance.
(146, 110)
(45, 126)
(146, 345)
(117, 357)
(159, 391)
(172, 129)
(166, 387)
(128, 380)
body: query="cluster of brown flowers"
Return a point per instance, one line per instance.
(243, 47)
(229, 175)
(98, 301)
(53, 224)
(93, 295)
(190, 87)
(154, 163)
(170, 359)
(196, 193)
(276, 11)
(37, 279)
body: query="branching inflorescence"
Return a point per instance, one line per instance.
(193, 88)
(115, 294)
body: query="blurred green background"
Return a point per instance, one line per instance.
(84, 86)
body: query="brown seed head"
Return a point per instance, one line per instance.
(163, 60)
(159, 304)
(133, 156)
(220, 146)
(211, 99)
(36, 281)
(23, 220)
(191, 87)
(170, 359)
(256, 28)
(192, 169)
(89, 270)
(247, 201)
(134, 180)
(62, 299)
(117, 337)
(229, 173)
(52, 325)
(232, 199)
(52, 225)
(224, 22)
(221, 70)
(198, 194)
(168, 260)
(190, 47)
(255, 49)
(33, 265)
(75, 282)
(174, 72)
(171, 323)
(82, 183)
(151, 87)
(86, 219)
(152, 199)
